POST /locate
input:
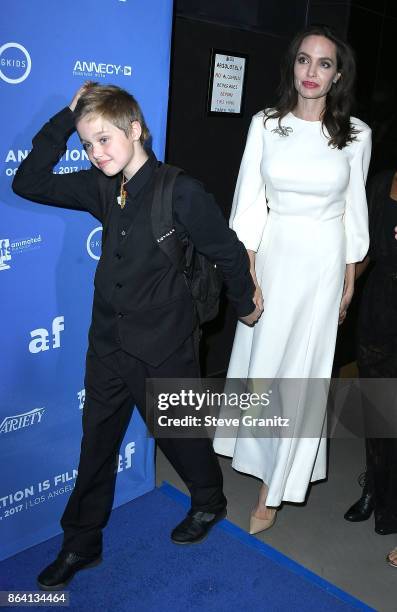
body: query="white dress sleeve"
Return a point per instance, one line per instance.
(249, 210)
(356, 211)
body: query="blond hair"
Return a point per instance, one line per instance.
(114, 104)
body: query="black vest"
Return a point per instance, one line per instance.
(141, 303)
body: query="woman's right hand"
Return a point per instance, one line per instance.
(255, 315)
(258, 297)
(87, 85)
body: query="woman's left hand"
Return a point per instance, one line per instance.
(348, 291)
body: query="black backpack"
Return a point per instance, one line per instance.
(202, 277)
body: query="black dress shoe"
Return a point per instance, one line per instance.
(196, 527)
(56, 576)
(384, 524)
(362, 509)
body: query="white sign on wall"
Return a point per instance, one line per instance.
(226, 84)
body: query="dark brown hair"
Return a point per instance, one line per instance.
(339, 100)
(114, 104)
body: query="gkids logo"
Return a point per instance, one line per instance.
(5, 253)
(19, 421)
(15, 63)
(99, 70)
(40, 337)
(81, 398)
(94, 243)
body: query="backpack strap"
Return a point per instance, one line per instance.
(162, 216)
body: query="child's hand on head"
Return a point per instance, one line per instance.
(87, 85)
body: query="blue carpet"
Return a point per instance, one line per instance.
(143, 571)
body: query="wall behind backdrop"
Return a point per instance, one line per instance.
(211, 147)
(48, 256)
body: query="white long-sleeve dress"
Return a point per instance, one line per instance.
(316, 223)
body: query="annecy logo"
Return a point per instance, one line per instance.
(99, 70)
(19, 421)
(15, 63)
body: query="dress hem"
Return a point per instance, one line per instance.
(297, 499)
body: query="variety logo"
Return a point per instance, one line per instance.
(40, 337)
(19, 421)
(15, 63)
(99, 70)
(81, 398)
(94, 243)
(8, 248)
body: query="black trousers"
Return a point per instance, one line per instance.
(113, 385)
(381, 459)
(381, 453)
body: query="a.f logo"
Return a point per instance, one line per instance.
(125, 463)
(5, 253)
(58, 325)
(40, 336)
(129, 451)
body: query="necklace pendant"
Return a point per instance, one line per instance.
(122, 198)
(121, 201)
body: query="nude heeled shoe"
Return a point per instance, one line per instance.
(257, 524)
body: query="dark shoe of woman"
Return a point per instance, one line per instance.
(384, 524)
(363, 508)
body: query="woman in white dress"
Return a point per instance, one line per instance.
(306, 160)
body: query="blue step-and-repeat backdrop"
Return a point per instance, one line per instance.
(48, 255)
